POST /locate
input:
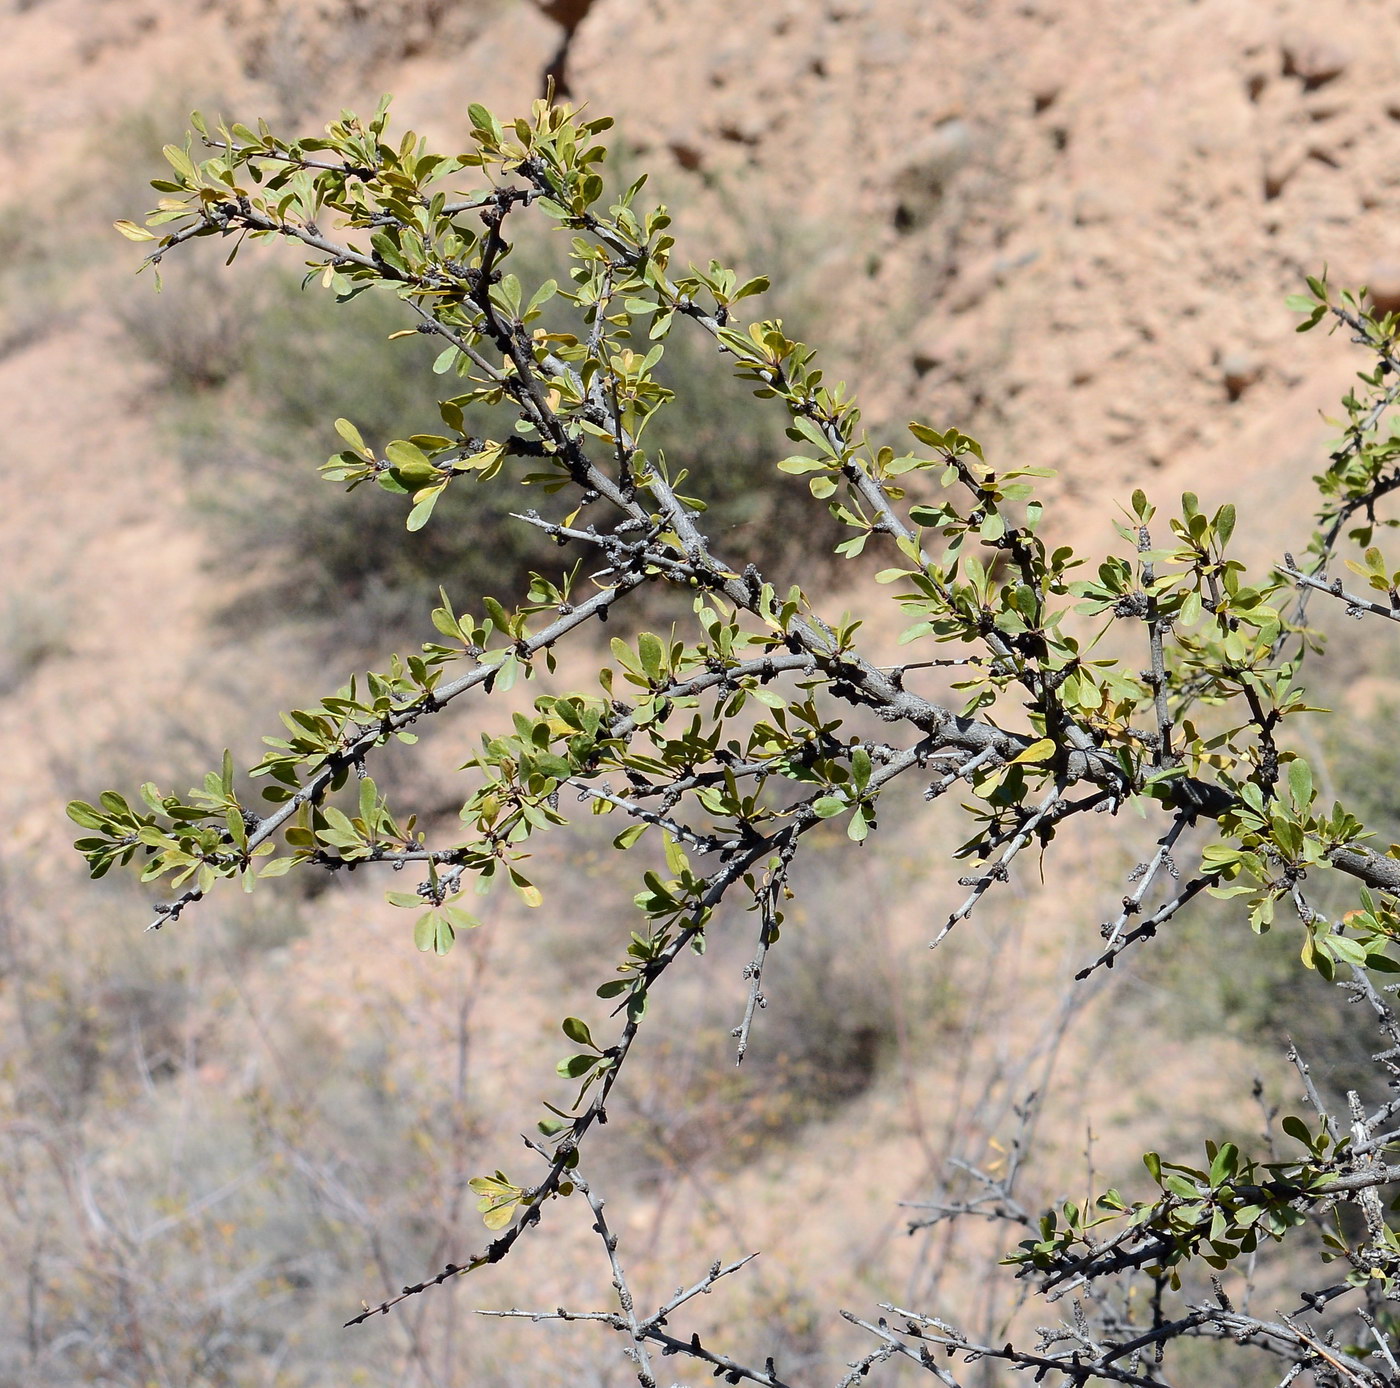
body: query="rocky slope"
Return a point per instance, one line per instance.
(1068, 228)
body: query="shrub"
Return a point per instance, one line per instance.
(252, 374)
(718, 748)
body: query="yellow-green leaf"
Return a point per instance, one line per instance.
(1039, 751)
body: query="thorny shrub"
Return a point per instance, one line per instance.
(716, 747)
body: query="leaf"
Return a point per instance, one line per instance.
(1039, 751)
(828, 807)
(181, 162)
(132, 232)
(1347, 951)
(813, 433)
(1223, 1167)
(423, 507)
(83, 814)
(340, 829)
(858, 830)
(1300, 782)
(651, 652)
(433, 932)
(411, 462)
(576, 1066)
(351, 435)
(926, 435)
(497, 1216)
(577, 1032)
(1225, 523)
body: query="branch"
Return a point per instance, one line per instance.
(1132, 905)
(1044, 813)
(397, 720)
(1356, 604)
(1149, 927)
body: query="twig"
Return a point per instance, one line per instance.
(773, 887)
(1132, 904)
(1149, 927)
(996, 872)
(1356, 604)
(624, 1292)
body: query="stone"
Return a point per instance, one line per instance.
(926, 172)
(1313, 60)
(1383, 286)
(1239, 369)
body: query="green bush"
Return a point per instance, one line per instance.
(251, 371)
(716, 748)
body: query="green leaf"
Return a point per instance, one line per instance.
(411, 463)
(1300, 782)
(577, 1032)
(132, 232)
(651, 652)
(858, 830)
(340, 829)
(799, 464)
(1345, 950)
(83, 814)
(496, 1215)
(1223, 1167)
(1225, 523)
(576, 1066)
(433, 933)
(351, 435)
(181, 162)
(423, 507)
(813, 433)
